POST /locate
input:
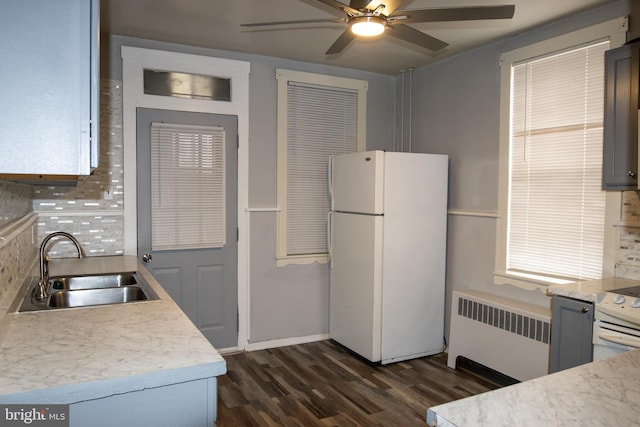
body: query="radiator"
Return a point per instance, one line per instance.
(508, 336)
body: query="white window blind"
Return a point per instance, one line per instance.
(556, 205)
(187, 186)
(322, 121)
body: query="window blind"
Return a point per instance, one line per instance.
(322, 121)
(187, 186)
(556, 205)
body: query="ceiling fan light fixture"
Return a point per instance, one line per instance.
(367, 26)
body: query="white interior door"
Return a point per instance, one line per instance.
(187, 214)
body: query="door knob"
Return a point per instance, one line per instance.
(632, 174)
(147, 257)
(585, 309)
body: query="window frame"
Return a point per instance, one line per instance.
(283, 78)
(613, 30)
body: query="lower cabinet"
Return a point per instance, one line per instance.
(571, 333)
(192, 403)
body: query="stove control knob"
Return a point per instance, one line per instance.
(635, 303)
(619, 299)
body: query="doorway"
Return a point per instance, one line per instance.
(187, 232)
(134, 61)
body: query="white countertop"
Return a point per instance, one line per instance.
(588, 290)
(602, 393)
(70, 355)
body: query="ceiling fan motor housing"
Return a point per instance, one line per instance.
(367, 25)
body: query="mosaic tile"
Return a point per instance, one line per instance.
(15, 201)
(631, 206)
(16, 258)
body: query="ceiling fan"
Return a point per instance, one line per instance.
(374, 17)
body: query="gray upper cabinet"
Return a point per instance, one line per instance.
(571, 333)
(620, 157)
(49, 87)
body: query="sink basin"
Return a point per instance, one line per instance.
(92, 282)
(86, 297)
(90, 290)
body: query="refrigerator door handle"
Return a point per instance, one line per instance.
(329, 247)
(330, 181)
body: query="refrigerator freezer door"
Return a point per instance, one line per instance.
(357, 182)
(355, 283)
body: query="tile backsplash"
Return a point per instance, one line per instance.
(18, 252)
(628, 256)
(15, 201)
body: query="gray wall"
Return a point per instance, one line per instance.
(456, 112)
(290, 301)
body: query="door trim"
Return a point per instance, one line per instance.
(134, 61)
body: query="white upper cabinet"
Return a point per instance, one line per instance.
(49, 91)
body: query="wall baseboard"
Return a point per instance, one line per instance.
(263, 345)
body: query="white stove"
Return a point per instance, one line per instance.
(620, 305)
(617, 322)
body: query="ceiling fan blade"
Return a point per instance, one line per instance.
(359, 4)
(300, 21)
(389, 5)
(341, 6)
(416, 37)
(343, 41)
(455, 14)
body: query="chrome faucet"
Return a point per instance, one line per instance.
(41, 292)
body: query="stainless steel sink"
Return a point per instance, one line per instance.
(89, 290)
(91, 282)
(86, 297)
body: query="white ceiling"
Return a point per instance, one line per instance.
(216, 24)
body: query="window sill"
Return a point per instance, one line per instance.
(282, 261)
(527, 281)
(627, 224)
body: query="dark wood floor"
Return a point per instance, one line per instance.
(323, 384)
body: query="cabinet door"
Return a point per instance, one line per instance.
(620, 157)
(571, 333)
(49, 87)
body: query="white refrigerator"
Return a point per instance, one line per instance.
(387, 245)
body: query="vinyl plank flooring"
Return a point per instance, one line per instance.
(323, 384)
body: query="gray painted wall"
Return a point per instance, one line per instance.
(456, 112)
(290, 301)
